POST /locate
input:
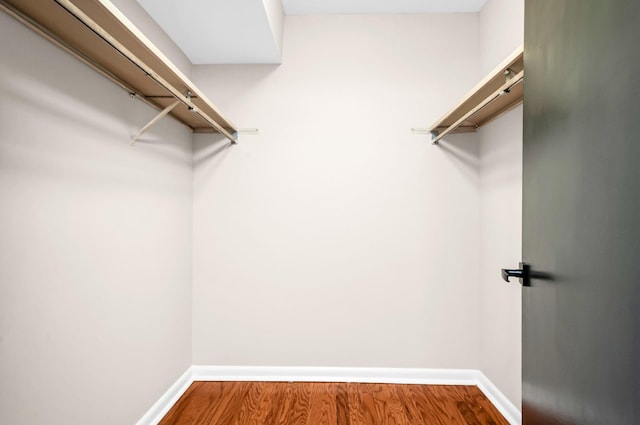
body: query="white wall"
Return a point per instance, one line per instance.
(336, 237)
(501, 32)
(95, 246)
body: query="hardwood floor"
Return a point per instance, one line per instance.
(304, 403)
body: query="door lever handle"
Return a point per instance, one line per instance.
(523, 274)
(507, 273)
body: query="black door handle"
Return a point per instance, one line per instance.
(523, 274)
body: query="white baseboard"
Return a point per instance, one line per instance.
(168, 399)
(336, 374)
(333, 374)
(502, 403)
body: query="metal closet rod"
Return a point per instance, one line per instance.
(120, 48)
(504, 89)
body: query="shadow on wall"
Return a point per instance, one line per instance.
(88, 120)
(209, 151)
(56, 100)
(463, 150)
(501, 151)
(203, 151)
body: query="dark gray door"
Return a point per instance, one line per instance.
(581, 212)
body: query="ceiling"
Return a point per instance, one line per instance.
(250, 31)
(221, 31)
(366, 7)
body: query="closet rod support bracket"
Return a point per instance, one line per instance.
(153, 122)
(434, 136)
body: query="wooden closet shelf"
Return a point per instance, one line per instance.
(98, 34)
(496, 94)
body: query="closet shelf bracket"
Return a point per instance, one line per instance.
(153, 122)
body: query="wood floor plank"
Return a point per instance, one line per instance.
(323, 404)
(444, 400)
(279, 406)
(475, 405)
(396, 411)
(231, 403)
(371, 409)
(415, 412)
(356, 412)
(196, 404)
(342, 404)
(256, 405)
(301, 404)
(294, 406)
(283, 403)
(381, 405)
(430, 412)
